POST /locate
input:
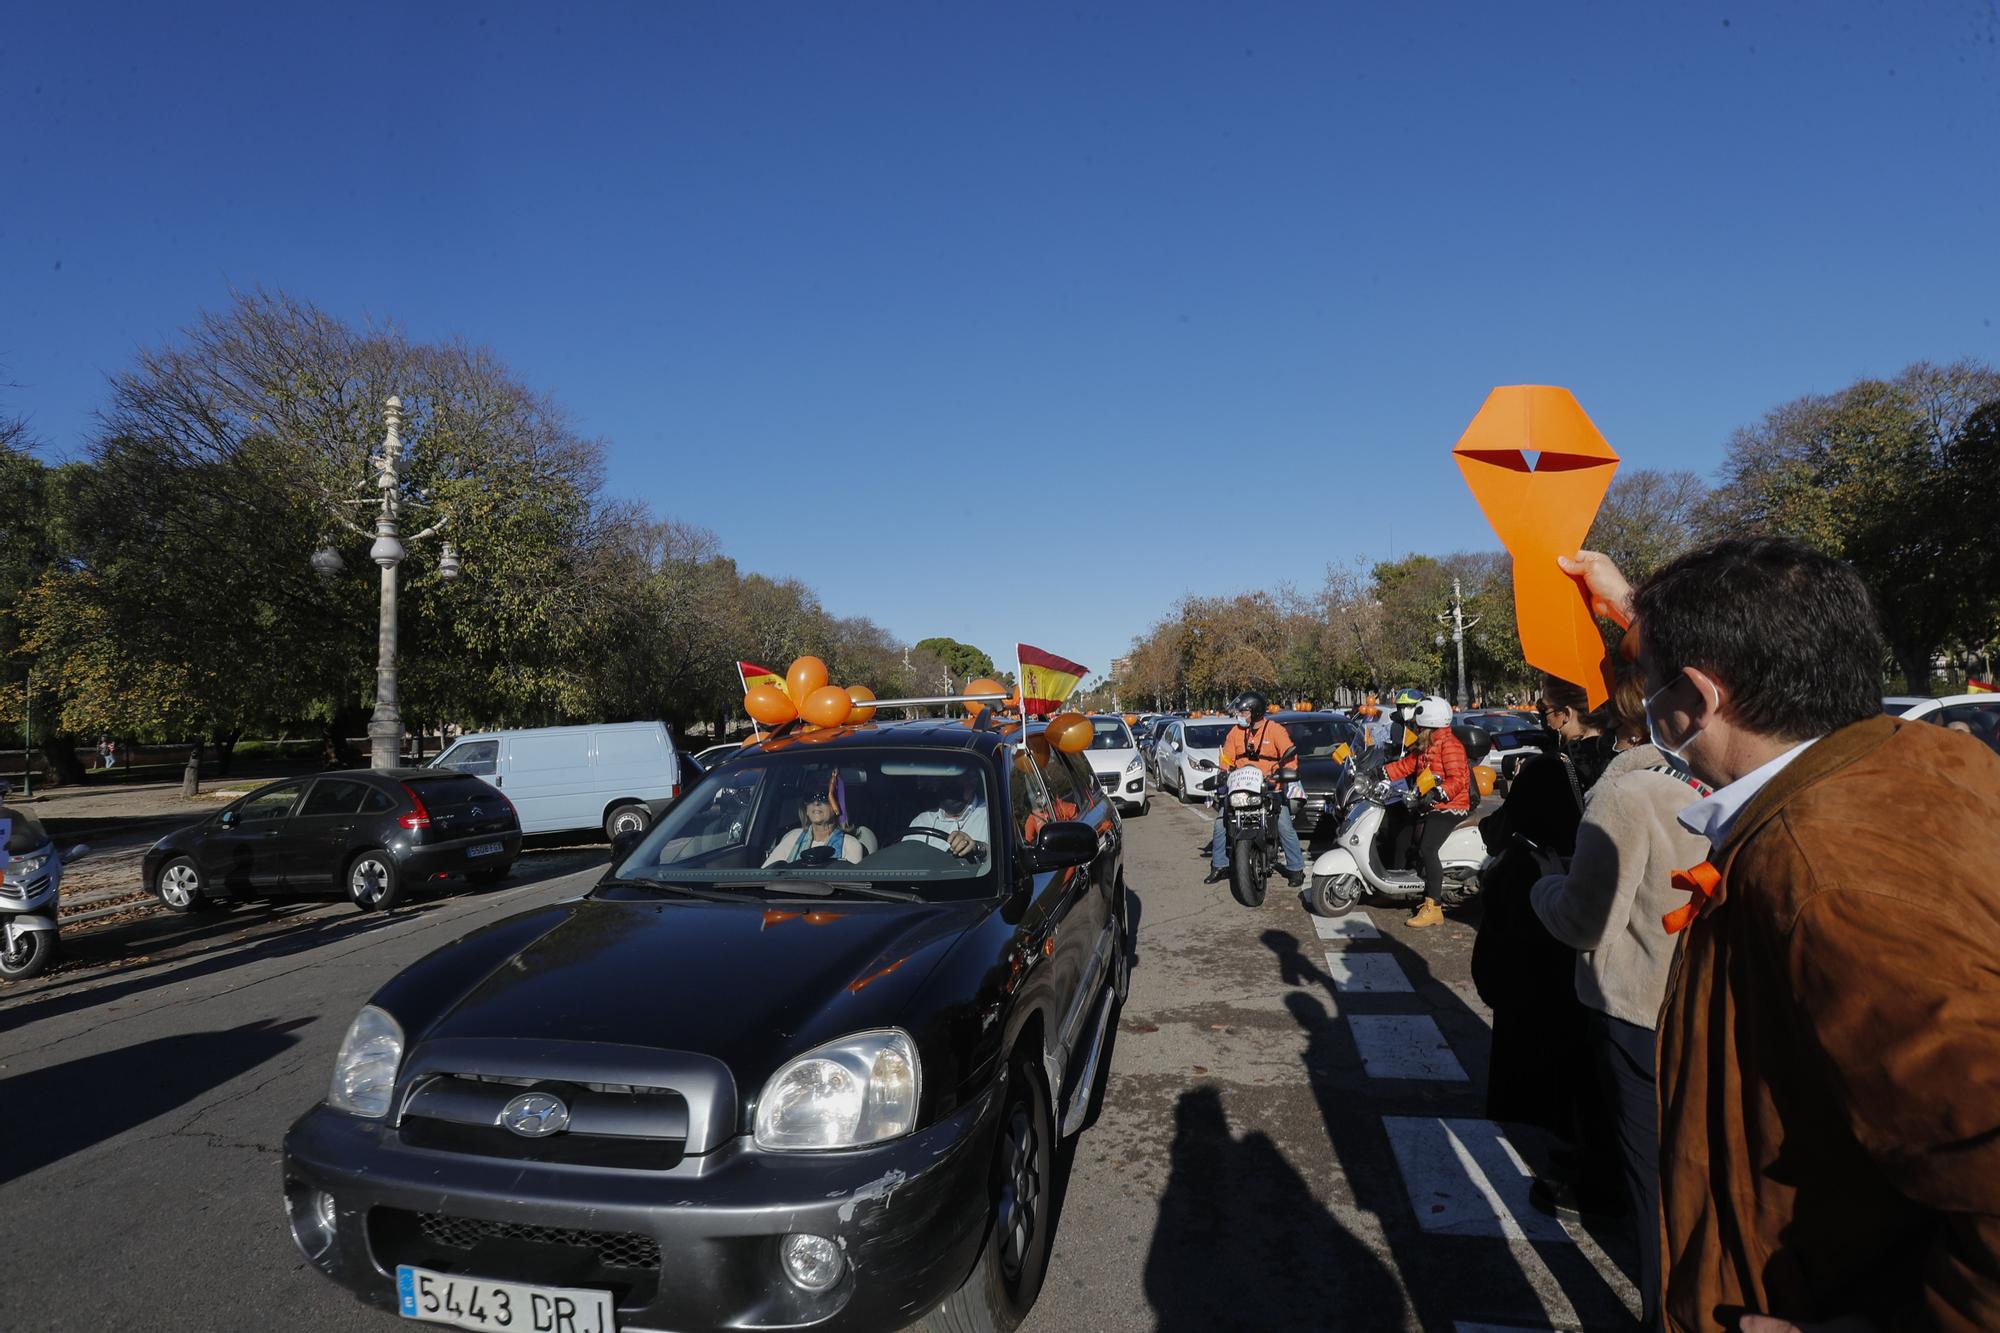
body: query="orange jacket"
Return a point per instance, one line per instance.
(1267, 745)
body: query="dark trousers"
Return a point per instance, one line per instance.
(1623, 1053)
(1421, 838)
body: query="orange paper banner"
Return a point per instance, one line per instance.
(1540, 510)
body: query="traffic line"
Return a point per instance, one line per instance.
(1465, 1179)
(1366, 972)
(1353, 926)
(1404, 1046)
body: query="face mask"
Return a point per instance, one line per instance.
(1654, 712)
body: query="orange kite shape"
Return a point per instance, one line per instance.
(1541, 510)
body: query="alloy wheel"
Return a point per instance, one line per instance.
(366, 881)
(1020, 1192)
(180, 883)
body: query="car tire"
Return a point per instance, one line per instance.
(30, 955)
(489, 875)
(180, 886)
(1181, 789)
(630, 817)
(1139, 810)
(1003, 1285)
(373, 885)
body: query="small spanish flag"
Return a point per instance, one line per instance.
(1046, 680)
(754, 675)
(1979, 687)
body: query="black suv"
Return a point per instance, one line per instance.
(369, 833)
(804, 1057)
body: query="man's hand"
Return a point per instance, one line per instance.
(961, 845)
(1610, 592)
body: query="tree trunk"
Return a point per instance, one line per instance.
(225, 749)
(339, 754)
(1915, 662)
(191, 775)
(60, 751)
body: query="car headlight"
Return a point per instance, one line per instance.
(858, 1090)
(1137, 765)
(364, 1073)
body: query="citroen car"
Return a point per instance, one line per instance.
(803, 1058)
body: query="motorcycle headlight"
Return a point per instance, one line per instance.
(846, 1094)
(22, 867)
(1242, 799)
(364, 1073)
(1137, 765)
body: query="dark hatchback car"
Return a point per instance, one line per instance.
(1317, 736)
(766, 1074)
(1517, 738)
(369, 833)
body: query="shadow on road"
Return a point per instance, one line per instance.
(1241, 1242)
(101, 1096)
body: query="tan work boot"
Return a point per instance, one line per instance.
(1429, 914)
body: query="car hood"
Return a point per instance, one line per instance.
(1110, 761)
(1319, 775)
(750, 983)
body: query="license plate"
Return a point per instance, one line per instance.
(486, 849)
(446, 1298)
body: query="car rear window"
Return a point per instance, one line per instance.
(448, 791)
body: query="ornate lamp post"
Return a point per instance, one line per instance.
(385, 724)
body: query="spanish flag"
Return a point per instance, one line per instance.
(754, 675)
(1979, 687)
(1046, 680)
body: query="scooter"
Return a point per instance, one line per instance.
(30, 885)
(1352, 868)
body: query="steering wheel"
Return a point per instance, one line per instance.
(939, 834)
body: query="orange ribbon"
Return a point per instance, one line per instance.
(1542, 510)
(1699, 883)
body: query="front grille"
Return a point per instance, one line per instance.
(1108, 781)
(614, 1249)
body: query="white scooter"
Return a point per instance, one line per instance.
(30, 886)
(1352, 869)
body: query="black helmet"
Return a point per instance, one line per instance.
(1249, 702)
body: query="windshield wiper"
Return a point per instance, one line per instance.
(826, 888)
(708, 893)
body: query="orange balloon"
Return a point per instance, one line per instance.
(982, 686)
(827, 706)
(1070, 732)
(1038, 745)
(860, 694)
(806, 675)
(769, 705)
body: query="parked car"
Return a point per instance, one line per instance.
(723, 1091)
(715, 754)
(1115, 760)
(1978, 714)
(1187, 744)
(369, 833)
(615, 776)
(1517, 737)
(1316, 736)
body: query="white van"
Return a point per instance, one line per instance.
(614, 777)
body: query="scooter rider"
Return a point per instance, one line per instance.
(1443, 806)
(1260, 741)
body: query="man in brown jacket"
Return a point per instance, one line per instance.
(1829, 1049)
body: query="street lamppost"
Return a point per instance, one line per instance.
(385, 724)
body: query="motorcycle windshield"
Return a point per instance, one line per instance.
(24, 831)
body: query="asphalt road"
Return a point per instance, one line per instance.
(1290, 1137)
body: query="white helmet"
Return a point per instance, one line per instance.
(1434, 711)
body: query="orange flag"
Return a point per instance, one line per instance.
(1539, 511)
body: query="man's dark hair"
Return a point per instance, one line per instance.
(1791, 631)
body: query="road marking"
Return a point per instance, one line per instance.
(1353, 926)
(1465, 1179)
(1363, 972)
(1404, 1046)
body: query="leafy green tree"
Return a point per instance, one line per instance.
(964, 661)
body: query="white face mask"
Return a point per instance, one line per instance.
(1654, 731)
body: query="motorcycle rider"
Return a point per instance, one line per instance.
(1441, 808)
(1258, 740)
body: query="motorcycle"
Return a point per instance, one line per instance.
(1249, 804)
(30, 886)
(1352, 868)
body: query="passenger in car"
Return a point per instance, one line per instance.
(959, 824)
(818, 827)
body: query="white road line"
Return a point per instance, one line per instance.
(1378, 972)
(1465, 1179)
(1404, 1046)
(1353, 926)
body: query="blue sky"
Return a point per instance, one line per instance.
(1124, 301)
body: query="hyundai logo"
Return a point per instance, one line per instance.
(535, 1115)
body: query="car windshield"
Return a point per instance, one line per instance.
(1898, 707)
(1109, 733)
(1209, 735)
(1316, 738)
(803, 822)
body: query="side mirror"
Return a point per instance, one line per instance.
(227, 819)
(76, 853)
(1067, 843)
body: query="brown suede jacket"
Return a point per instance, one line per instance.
(1829, 1048)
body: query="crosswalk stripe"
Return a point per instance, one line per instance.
(1353, 926)
(1366, 972)
(1465, 1179)
(1404, 1046)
